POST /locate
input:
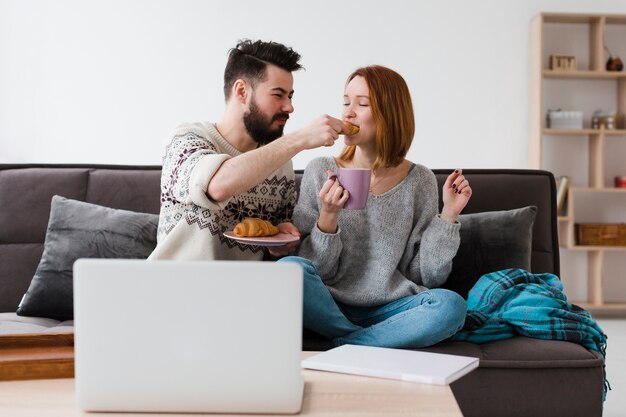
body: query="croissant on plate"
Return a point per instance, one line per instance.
(254, 227)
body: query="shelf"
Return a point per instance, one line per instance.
(581, 18)
(604, 309)
(598, 190)
(603, 305)
(595, 248)
(584, 75)
(583, 132)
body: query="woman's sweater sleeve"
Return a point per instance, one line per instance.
(323, 249)
(438, 243)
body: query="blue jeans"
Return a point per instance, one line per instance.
(413, 321)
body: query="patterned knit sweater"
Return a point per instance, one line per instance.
(191, 225)
(396, 246)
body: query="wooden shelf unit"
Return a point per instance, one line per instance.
(596, 27)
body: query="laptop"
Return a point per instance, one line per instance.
(179, 336)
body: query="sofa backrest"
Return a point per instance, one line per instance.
(506, 189)
(26, 191)
(25, 195)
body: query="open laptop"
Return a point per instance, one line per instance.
(173, 336)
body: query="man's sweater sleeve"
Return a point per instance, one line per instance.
(190, 162)
(290, 198)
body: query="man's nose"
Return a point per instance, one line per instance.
(287, 106)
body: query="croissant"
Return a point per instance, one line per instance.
(353, 129)
(254, 227)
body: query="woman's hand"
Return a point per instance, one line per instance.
(333, 197)
(456, 194)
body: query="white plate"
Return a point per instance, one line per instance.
(280, 239)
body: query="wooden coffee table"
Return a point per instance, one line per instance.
(325, 394)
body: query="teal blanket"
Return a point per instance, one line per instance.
(513, 301)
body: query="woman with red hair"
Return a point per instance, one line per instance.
(371, 275)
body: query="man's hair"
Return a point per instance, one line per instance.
(248, 60)
(392, 109)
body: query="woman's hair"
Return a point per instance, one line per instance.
(249, 59)
(392, 109)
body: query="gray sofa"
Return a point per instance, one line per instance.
(517, 377)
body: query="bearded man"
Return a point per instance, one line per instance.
(216, 174)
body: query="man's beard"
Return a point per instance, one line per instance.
(259, 128)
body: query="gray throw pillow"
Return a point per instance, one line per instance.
(491, 241)
(82, 230)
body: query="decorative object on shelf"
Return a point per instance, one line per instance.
(614, 62)
(601, 234)
(562, 186)
(559, 62)
(564, 119)
(620, 181)
(603, 119)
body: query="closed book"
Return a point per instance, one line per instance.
(401, 364)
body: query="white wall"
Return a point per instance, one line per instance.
(106, 81)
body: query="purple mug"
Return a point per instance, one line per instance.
(357, 182)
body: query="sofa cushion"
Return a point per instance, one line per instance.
(491, 241)
(82, 230)
(11, 323)
(517, 372)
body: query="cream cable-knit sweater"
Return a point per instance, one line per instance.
(191, 225)
(396, 246)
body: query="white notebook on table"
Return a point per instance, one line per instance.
(405, 365)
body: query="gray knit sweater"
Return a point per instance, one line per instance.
(396, 246)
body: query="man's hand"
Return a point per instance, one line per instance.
(322, 131)
(238, 174)
(280, 251)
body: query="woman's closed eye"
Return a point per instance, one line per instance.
(362, 104)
